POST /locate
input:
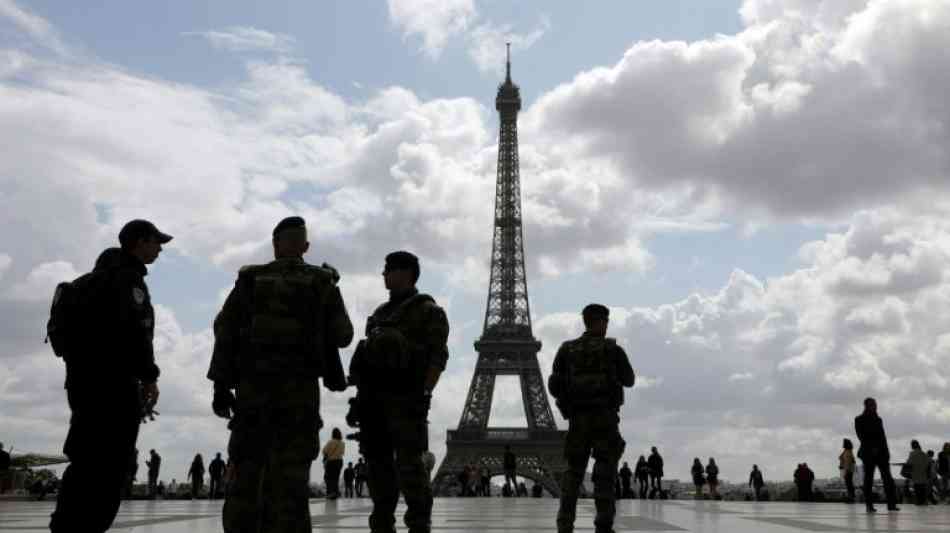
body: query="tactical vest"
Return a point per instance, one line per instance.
(592, 374)
(390, 349)
(284, 324)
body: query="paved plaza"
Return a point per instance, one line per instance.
(525, 515)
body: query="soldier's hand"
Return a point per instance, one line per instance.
(149, 396)
(223, 402)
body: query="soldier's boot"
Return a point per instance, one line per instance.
(604, 519)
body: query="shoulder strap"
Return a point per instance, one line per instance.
(409, 303)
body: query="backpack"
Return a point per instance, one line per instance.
(71, 313)
(282, 333)
(389, 348)
(592, 380)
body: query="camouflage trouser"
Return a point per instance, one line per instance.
(591, 434)
(273, 441)
(393, 439)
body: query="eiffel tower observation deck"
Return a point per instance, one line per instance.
(507, 346)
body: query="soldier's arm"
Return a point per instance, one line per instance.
(556, 384)
(437, 338)
(136, 325)
(624, 370)
(227, 338)
(339, 326)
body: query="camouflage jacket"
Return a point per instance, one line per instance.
(286, 318)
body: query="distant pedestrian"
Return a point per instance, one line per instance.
(359, 473)
(511, 467)
(215, 476)
(537, 490)
(933, 479)
(756, 481)
(4, 468)
(655, 462)
(699, 477)
(943, 470)
(173, 488)
(804, 478)
(847, 465)
(333, 453)
(919, 465)
(642, 472)
(522, 489)
(712, 477)
(154, 464)
(348, 476)
(463, 476)
(874, 453)
(626, 476)
(197, 475)
(486, 481)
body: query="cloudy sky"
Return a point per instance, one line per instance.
(758, 189)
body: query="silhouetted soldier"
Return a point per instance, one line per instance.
(215, 476)
(396, 368)
(154, 464)
(587, 380)
(279, 330)
(874, 453)
(111, 380)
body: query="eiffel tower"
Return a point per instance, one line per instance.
(507, 346)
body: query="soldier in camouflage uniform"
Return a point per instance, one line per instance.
(587, 381)
(280, 329)
(395, 369)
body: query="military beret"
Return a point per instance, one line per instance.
(289, 223)
(402, 260)
(137, 229)
(595, 311)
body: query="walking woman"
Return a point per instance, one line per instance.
(333, 453)
(197, 475)
(847, 464)
(642, 473)
(712, 477)
(698, 478)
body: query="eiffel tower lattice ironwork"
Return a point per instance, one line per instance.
(507, 345)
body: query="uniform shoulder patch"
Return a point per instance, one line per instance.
(138, 295)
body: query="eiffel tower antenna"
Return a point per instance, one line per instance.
(507, 345)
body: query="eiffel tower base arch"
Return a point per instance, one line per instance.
(539, 453)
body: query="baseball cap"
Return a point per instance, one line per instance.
(137, 229)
